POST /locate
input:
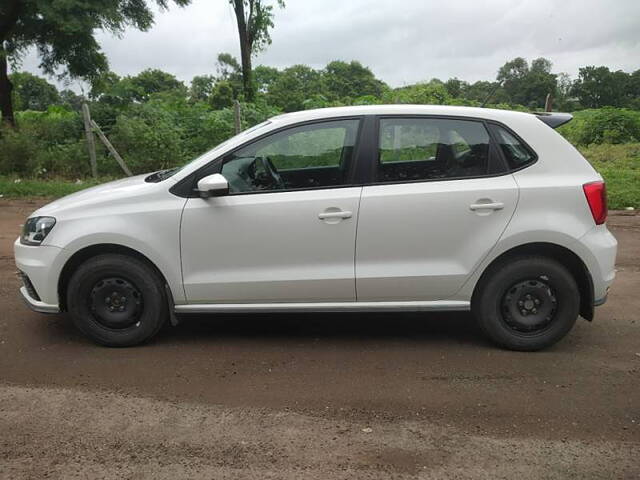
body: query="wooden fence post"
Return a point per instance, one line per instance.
(91, 144)
(548, 103)
(236, 116)
(111, 148)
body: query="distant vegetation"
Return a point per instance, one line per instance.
(156, 121)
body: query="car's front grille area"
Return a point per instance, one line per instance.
(29, 286)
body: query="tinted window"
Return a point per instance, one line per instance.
(515, 152)
(413, 149)
(317, 155)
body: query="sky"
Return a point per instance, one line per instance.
(402, 42)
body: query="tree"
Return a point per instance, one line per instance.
(201, 88)
(152, 81)
(527, 86)
(64, 34)
(31, 92)
(70, 99)
(598, 87)
(230, 72)
(264, 77)
(110, 88)
(350, 80)
(293, 86)
(455, 86)
(254, 19)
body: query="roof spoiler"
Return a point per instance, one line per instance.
(554, 120)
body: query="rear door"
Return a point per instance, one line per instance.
(439, 201)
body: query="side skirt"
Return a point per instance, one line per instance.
(431, 306)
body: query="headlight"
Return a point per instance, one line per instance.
(36, 229)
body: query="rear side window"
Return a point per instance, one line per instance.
(516, 154)
(414, 149)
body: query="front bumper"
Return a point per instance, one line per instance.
(37, 305)
(42, 266)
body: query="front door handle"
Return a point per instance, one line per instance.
(487, 206)
(335, 214)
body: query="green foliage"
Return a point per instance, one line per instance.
(605, 125)
(45, 143)
(18, 187)
(432, 93)
(619, 165)
(201, 88)
(147, 137)
(598, 87)
(350, 80)
(528, 85)
(63, 32)
(113, 90)
(31, 92)
(293, 86)
(155, 122)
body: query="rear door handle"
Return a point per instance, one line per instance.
(487, 206)
(338, 214)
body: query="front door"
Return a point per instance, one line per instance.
(437, 206)
(286, 231)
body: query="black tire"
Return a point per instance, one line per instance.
(117, 300)
(526, 303)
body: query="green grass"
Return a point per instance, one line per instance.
(14, 187)
(618, 164)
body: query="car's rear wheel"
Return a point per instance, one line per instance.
(527, 303)
(117, 300)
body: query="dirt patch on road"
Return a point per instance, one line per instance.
(288, 396)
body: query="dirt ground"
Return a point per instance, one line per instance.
(316, 396)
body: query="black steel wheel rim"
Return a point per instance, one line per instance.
(529, 306)
(116, 303)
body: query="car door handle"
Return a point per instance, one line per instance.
(487, 206)
(338, 214)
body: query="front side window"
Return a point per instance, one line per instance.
(309, 156)
(414, 149)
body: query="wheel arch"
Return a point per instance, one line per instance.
(84, 254)
(562, 255)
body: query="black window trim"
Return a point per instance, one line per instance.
(366, 154)
(186, 187)
(494, 149)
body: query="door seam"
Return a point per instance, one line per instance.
(355, 247)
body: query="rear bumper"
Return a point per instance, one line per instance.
(598, 249)
(36, 305)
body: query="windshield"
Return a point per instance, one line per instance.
(161, 175)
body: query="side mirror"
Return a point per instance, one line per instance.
(213, 186)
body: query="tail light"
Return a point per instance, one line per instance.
(596, 193)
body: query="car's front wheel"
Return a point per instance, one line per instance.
(527, 303)
(117, 300)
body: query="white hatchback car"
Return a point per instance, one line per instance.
(372, 208)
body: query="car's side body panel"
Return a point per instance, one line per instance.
(421, 241)
(270, 247)
(141, 216)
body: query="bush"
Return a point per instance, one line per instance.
(147, 138)
(17, 152)
(604, 125)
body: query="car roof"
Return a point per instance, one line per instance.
(403, 109)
